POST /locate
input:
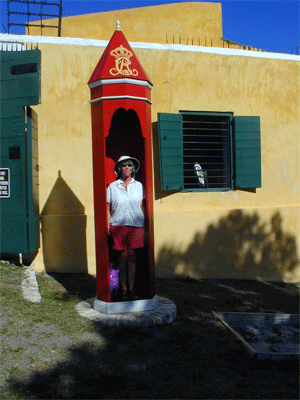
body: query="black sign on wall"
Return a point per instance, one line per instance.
(4, 183)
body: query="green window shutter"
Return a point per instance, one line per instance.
(247, 152)
(170, 150)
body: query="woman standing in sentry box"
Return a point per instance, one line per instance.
(126, 219)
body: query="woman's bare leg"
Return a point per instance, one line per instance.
(122, 265)
(131, 269)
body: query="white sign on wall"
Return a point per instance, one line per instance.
(4, 183)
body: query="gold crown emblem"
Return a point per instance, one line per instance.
(121, 52)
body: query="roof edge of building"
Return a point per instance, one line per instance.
(8, 38)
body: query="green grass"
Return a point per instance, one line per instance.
(56, 307)
(35, 335)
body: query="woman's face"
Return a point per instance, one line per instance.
(126, 169)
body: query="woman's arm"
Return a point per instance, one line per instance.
(108, 215)
(143, 207)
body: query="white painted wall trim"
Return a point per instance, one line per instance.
(120, 97)
(6, 38)
(9, 46)
(101, 82)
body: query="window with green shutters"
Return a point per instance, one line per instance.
(209, 151)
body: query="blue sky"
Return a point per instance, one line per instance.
(272, 25)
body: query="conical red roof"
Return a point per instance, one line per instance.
(118, 61)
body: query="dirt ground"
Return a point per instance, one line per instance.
(194, 357)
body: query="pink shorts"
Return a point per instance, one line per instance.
(127, 236)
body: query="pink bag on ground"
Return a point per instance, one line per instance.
(114, 281)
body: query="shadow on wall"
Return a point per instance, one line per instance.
(63, 223)
(238, 247)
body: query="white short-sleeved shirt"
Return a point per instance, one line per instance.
(126, 204)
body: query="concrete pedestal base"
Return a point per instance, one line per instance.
(126, 306)
(165, 312)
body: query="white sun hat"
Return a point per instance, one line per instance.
(128, 158)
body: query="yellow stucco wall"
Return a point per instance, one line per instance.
(246, 86)
(184, 23)
(214, 234)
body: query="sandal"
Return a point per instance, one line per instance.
(125, 296)
(133, 296)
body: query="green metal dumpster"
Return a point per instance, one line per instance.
(19, 190)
